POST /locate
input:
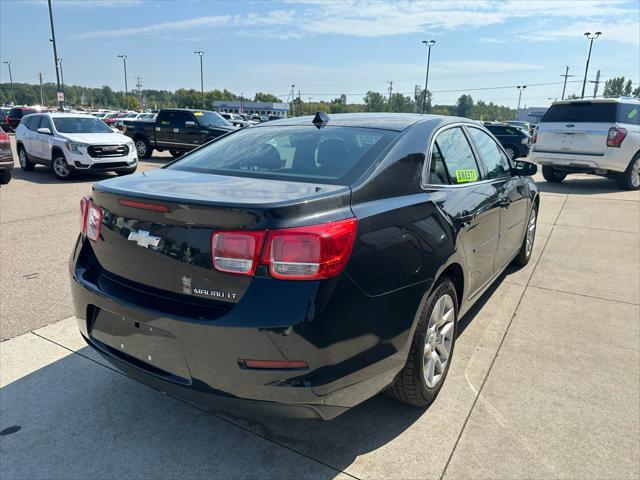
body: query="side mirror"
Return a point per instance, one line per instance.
(45, 131)
(526, 168)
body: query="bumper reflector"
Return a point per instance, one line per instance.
(274, 364)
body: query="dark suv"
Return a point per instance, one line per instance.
(16, 114)
(515, 141)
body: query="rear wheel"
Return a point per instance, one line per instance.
(524, 255)
(60, 167)
(511, 151)
(143, 148)
(422, 377)
(630, 178)
(552, 175)
(5, 177)
(25, 164)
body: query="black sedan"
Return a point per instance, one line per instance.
(302, 266)
(516, 141)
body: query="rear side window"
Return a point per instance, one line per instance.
(581, 112)
(33, 122)
(334, 155)
(458, 157)
(629, 113)
(438, 174)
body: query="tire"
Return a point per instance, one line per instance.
(630, 178)
(411, 385)
(550, 175)
(511, 151)
(60, 167)
(143, 148)
(524, 255)
(176, 153)
(25, 163)
(5, 177)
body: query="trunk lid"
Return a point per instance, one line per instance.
(171, 250)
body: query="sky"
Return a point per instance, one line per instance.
(327, 48)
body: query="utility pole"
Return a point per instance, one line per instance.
(429, 44)
(390, 82)
(292, 96)
(309, 98)
(139, 85)
(300, 103)
(586, 68)
(520, 89)
(200, 53)
(41, 91)
(596, 82)
(564, 86)
(61, 74)
(126, 89)
(10, 77)
(242, 102)
(55, 58)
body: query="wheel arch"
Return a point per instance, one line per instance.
(455, 273)
(55, 150)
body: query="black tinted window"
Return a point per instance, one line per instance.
(178, 119)
(578, 112)
(458, 156)
(336, 155)
(629, 113)
(80, 125)
(492, 155)
(438, 174)
(46, 123)
(32, 122)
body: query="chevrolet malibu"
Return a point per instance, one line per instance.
(304, 265)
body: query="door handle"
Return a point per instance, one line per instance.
(505, 202)
(467, 217)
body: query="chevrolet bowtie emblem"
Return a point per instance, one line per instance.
(142, 238)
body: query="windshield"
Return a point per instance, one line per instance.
(334, 155)
(211, 119)
(80, 125)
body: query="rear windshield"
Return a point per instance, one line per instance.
(334, 155)
(80, 125)
(581, 112)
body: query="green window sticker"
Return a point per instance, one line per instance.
(633, 113)
(165, 122)
(466, 175)
(198, 114)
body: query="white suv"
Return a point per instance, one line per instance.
(600, 136)
(71, 143)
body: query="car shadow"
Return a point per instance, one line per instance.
(581, 185)
(43, 175)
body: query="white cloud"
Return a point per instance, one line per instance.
(625, 31)
(491, 40)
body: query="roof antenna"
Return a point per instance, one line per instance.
(320, 119)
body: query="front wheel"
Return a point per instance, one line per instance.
(551, 175)
(630, 178)
(423, 375)
(60, 167)
(126, 172)
(143, 148)
(176, 153)
(511, 151)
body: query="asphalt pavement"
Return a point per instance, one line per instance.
(544, 383)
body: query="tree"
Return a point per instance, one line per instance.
(615, 87)
(131, 103)
(266, 97)
(374, 102)
(400, 103)
(636, 92)
(465, 106)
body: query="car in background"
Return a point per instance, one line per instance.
(73, 143)
(110, 118)
(6, 158)
(15, 116)
(177, 130)
(235, 119)
(599, 137)
(515, 141)
(4, 118)
(301, 267)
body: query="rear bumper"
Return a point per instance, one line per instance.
(611, 160)
(6, 165)
(345, 368)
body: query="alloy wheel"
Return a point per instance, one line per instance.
(141, 148)
(531, 232)
(438, 340)
(510, 152)
(60, 167)
(22, 157)
(635, 173)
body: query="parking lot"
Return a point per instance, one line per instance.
(545, 381)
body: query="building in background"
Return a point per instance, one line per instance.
(261, 108)
(531, 114)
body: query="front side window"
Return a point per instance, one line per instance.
(46, 123)
(210, 119)
(458, 157)
(492, 155)
(334, 155)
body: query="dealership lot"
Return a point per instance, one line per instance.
(544, 381)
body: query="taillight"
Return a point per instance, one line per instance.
(90, 218)
(309, 253)
(301, 253)
(237, 251)
(4, 137)
(615, 136)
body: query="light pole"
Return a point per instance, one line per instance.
(10, 77)
(55, 57)
(520, 89)
(200, 53)
(429, 44)
(126, 90)
(586, 69)
(61, 75)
